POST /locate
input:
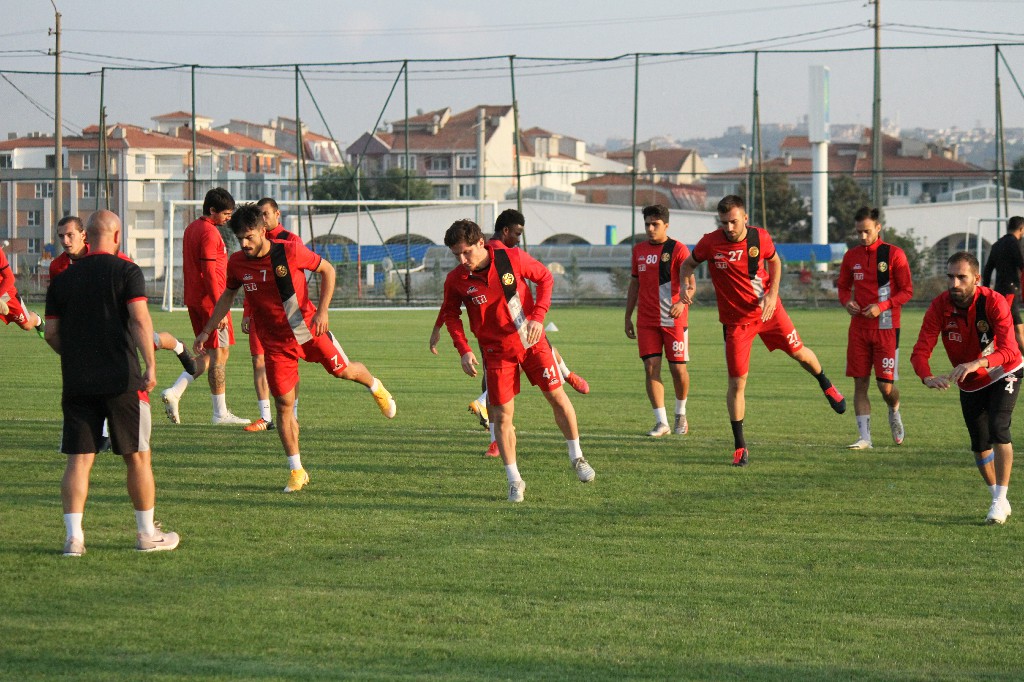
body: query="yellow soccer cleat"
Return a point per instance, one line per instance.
(384, 401)
(296, 480)
(480, 410)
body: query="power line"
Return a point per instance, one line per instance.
(45, 111)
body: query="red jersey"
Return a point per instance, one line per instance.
(6, 277)
(876, 274)
(276, 289)
(441, 313)
(656, 267)
(491, 317)
(64, 261)
(737, 272)
(968, 335)
(204, 263)
(278, 234)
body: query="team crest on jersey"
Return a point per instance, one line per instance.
(665, 257)
(983, 326)
(281, 271)
(507, 279)
(753, 252)
(883, 266)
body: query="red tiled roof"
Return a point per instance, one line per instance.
(666, 160)
(458, 134)
(175, 115)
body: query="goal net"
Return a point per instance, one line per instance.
(378, 243)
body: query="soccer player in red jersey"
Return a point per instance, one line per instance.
(874, 283)
(745, 271)
(977, 334)
(272, 217)
(12, 306)
(490, 281)
(73, 240)
(204, 265)
(508, 230)
(661, 321)
(290, 327)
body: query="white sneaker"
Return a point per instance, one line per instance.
(681, 427)
(229, 419)
(861, 444)
(159, 541)
(583, 470)
(998, 512)
(659, 430)
(171, 400)
(896, 426)
(516, 490)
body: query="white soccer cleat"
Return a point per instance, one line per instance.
(583, 470)
(516, 490)
(861, 444)
(896, 426)
(659, 430)
(998, 512)
(229, 418)
(171, 400)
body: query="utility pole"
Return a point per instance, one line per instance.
(877, 195)
(58, 139)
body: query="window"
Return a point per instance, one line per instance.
(467, 161)
(140, 163)
(44, 190)
(35, 218)
(442, 192)
(440, 163)
(88, 190)
(467, 190)
(88, 161)
(33, 244)
(6, 161)
(899, 189)
(145, 220)
(401, 161)
(168, 164)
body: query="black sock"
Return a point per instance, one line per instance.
(187, 362)
(823, 380)
(737, 434)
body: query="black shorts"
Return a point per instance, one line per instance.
(987, 412)
(127, 414)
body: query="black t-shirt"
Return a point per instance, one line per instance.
(1006, 259)
(98, 354)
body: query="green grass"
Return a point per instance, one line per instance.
(402, 559)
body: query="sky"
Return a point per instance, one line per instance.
(575, 70)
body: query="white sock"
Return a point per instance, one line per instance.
(144, 522)
(73, 526)
(512, 471)
(295, 461)
(1000, 492)
(491, 427)
(660, 416)
(295, 408)
(106, 429)
(220, 404)
(483, 398)
(864, 426)
(575, 452)
(178, 347)
(181, 383)
(372, 388)
(680, 406)
(563, 368)
(992, 490)
(264, 406)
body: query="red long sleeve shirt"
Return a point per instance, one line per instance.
(960, 336)
(482, 294)
(858, 279)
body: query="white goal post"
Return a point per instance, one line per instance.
(371, 224)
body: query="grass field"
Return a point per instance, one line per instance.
(403, 560)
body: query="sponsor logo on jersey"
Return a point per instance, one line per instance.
(722, 265)
(719, 255)
(857, 266)
(954, 336)
(642, 267)
(472, 288)
(753, 252)
(247, 277)
(883, 266)
(281, 271)
(507, 278)
(479, 300)
(858, 276)
(951, 325)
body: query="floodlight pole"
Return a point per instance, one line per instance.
(58, 139)
(877, 195)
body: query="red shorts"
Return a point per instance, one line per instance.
(675, 341)
(16, 311)
(220, 338)
(538, 362)
(255, 347)
(878, 348)
(283, 364)
(778, 332)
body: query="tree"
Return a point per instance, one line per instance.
(1017, 174)
(917, 256)
(845, 196)
(340, 184)
(787, 218)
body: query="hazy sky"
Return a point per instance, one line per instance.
(681, 95)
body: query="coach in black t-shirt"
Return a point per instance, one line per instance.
(1007, 260)
(99, 319)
